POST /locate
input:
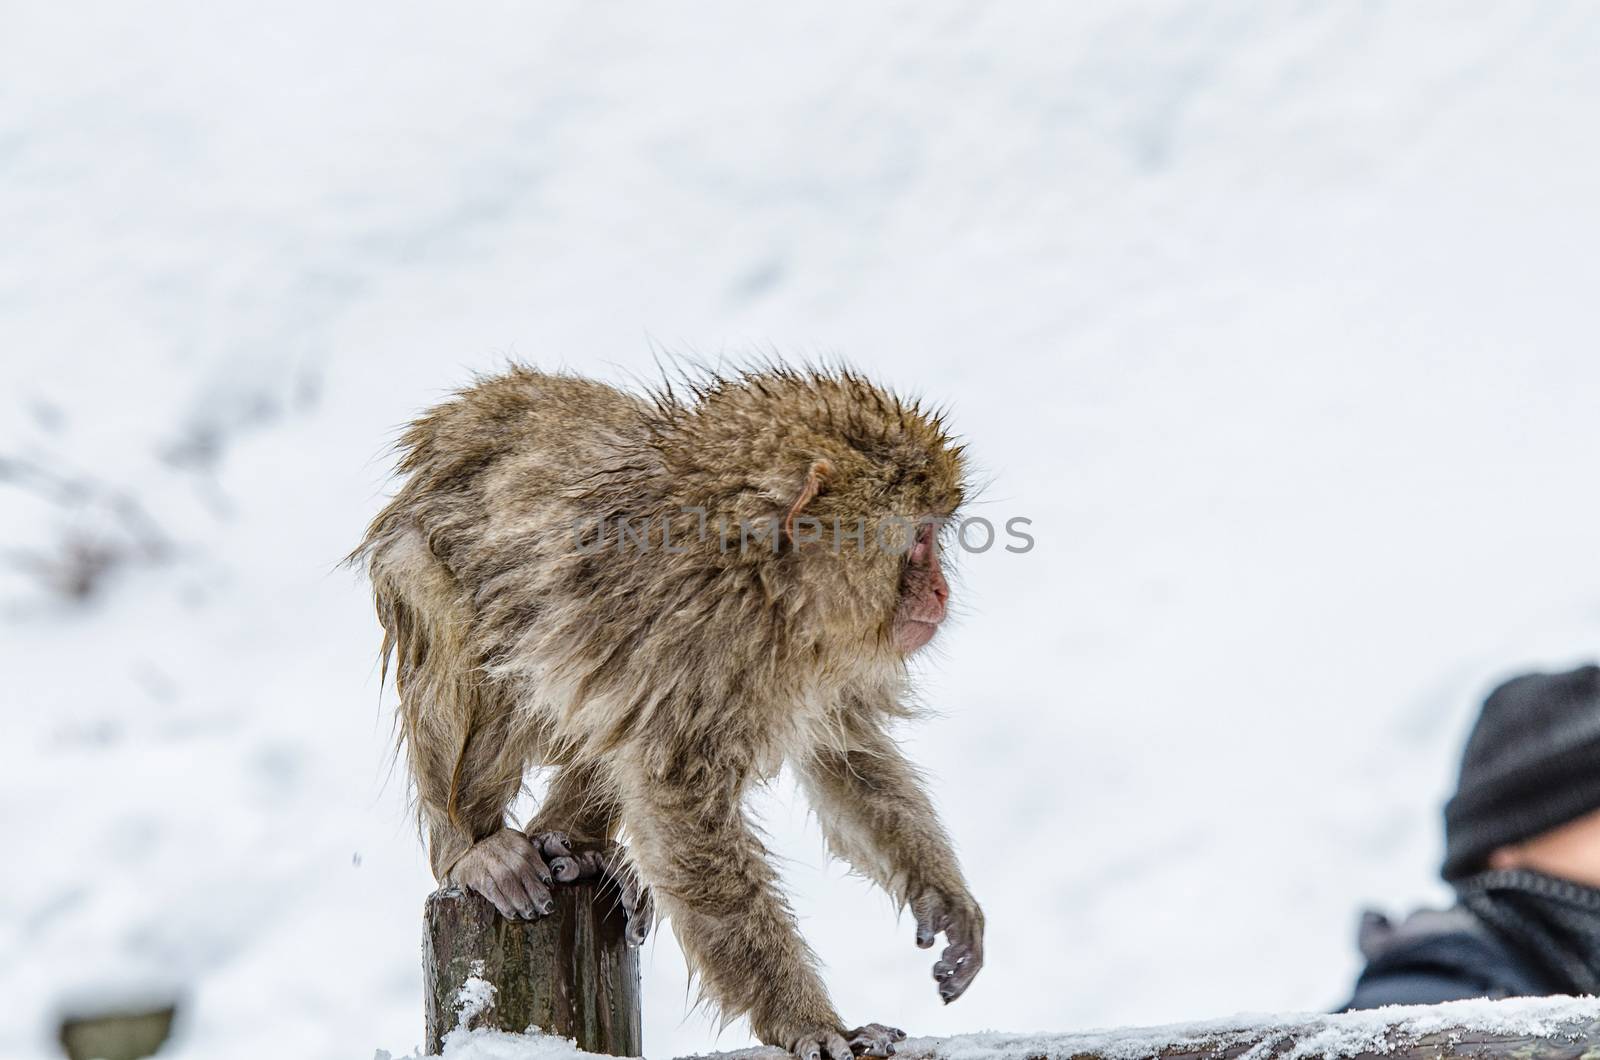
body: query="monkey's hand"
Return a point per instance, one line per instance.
(874, 1039)
(572, 860)
(952, 910)
(507, 869)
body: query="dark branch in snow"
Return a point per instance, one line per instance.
(104, 528)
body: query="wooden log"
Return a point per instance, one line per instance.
(569, 973)
(1301, 1043)
(1518, 1029)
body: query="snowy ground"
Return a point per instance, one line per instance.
(1278, 320)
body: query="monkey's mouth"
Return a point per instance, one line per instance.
(912, 633)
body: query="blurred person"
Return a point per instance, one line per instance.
(1522, 838)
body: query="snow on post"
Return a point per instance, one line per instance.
(569, 974)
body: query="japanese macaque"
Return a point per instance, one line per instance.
(662, 599)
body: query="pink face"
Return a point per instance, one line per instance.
(923, 594)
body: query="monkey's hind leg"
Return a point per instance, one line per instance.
(464, 796)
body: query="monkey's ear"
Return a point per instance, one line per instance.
(816, 478)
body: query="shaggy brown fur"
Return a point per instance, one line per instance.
(530, 627)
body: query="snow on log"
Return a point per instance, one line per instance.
(569, 974)
(1523, 1029)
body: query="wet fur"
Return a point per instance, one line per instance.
(661, 686)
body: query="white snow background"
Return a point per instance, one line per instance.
(1278, 320)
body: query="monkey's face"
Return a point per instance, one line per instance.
(924, 593)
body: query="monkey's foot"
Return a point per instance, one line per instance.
(506, 869)
(571, 860)
(875, 1039)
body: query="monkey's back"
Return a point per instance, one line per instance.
(491, 494)
(499, 462)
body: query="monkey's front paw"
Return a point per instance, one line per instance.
(507, 869)
(608, 863)
(958, 916)
(875, 1039)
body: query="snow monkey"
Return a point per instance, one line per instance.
(662, 599)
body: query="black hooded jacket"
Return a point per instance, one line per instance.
(1440, 955)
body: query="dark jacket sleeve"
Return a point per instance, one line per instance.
(1445, 967)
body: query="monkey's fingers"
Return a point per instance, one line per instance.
(555, 850)
(504, 905)
(957, 967)
(506, 863)
(522, 875)
(875, 1039)
(617, 877)
(568, 862)
(820, 1045)
(931, 917)
(505, 869)
(641, 907)
(591, 864)
(634, 897)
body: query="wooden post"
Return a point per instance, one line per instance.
(569, 973)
